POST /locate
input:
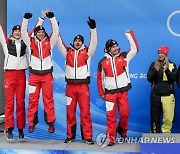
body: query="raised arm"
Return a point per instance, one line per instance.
(24, 29)
(40, 21)
(43, 16)
(3, 41)
(93, 37)
(61, 46)
(133, 45)
(55, 28)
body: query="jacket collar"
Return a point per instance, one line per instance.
(107, 54)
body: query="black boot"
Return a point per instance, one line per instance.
(69, 140)
(21, 134)
(89, 141)
(10, 134)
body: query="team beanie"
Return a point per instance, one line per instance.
(38, 28)
(79, 37)
(17, 27)
(109, 44)
(164, 49)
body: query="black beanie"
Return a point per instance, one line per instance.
(79, 37)
(17, 27)
(109, 44)
(38, 28)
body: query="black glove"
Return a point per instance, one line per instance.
(91, 23)
(27, 15)
(50, 14)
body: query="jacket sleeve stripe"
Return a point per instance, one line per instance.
(133, 45)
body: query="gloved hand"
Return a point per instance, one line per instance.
(91, 23)
(50, 14)
(27, 15)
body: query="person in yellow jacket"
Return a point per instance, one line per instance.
(162, 75)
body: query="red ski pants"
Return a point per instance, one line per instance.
(15, 85)
(119, 100)
(36, 83)
(78, 93)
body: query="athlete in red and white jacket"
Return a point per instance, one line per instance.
(113, 83)
(15, 64)
(77, 76)
(40, 67)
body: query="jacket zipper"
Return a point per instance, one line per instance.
(75, 63)
(125, 71)
(114, 70)
(18, 53)
(40, 53)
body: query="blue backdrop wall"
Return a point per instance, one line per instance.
(155, 23)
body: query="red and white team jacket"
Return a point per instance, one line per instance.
(113, 72)
(77, 67)
(40, 56)
(15, 52)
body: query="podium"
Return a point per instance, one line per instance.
(148, 144)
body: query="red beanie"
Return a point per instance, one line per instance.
(164, 49)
